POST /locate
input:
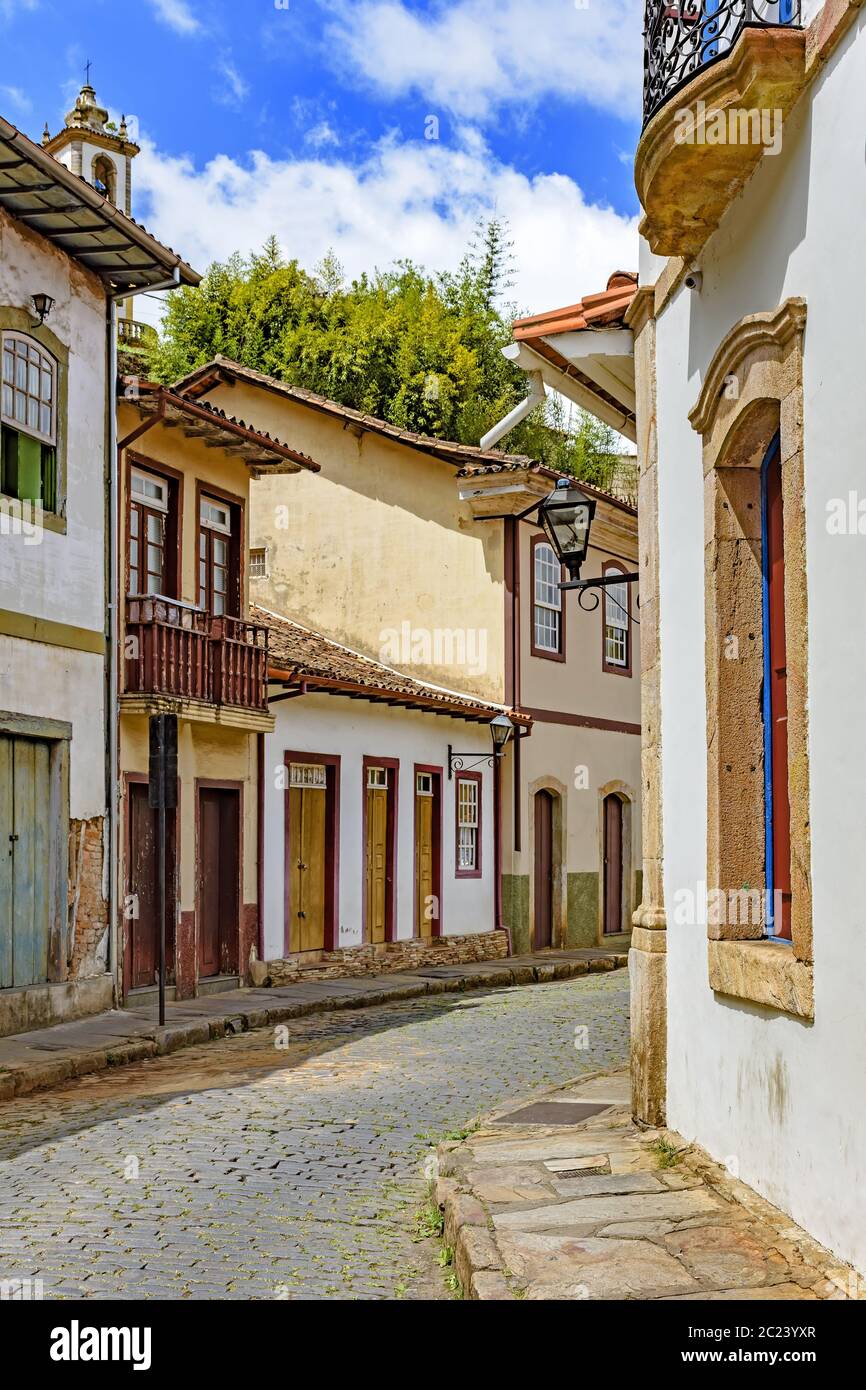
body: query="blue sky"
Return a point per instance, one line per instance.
(312, 118)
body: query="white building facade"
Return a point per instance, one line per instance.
(751, 413)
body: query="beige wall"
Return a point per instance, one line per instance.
(204, 750)
(579, 685)
(376, 541)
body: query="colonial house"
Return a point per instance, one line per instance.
(192, 648)
(68, 255)
(747, 962)
(412, 573)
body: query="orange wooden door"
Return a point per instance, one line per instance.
(377, 863)
(307, 820)
(425, 888)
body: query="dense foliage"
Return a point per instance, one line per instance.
(419, 350)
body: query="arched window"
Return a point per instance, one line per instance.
(28, 421)
(617, 625)
(546, 601)
(105, 177)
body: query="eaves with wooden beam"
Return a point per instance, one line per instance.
(261, 452)
(64, 209)
(307, 663)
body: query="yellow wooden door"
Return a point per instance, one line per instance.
(424, 886)
(307, 815)
(377, 862)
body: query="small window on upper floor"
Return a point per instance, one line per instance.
(28, 422)
(617, 626)
(547, 634)
(259, 562)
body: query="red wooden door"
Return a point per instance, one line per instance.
(142, 901)
(778, 678)
(543, 870)
(219, 881)
(612, 865)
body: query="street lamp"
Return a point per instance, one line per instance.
(42, 306)
(501, 731)
(566, 516)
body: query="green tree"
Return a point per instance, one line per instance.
(419, 350)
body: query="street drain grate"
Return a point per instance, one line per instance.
(553, 1112)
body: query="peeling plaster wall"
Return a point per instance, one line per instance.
(779, 1097)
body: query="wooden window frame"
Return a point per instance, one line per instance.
(478, 870)
(17, 323)
(174, 521)
(236, 606)
(610, 668)
(437, 795)
(542, 652)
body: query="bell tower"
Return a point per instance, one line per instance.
(96, 149)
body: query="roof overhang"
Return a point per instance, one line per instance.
(61, 207)
(594, 367)
(262, 454)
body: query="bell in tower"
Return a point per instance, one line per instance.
(95, 148)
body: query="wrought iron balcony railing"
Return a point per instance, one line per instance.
(681, 39)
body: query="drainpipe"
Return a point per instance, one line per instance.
(537, 395)
(112, 770)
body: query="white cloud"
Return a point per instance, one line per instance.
(419, 201)
(17, 98)
(177, 15)
(473, 56)
(235, 90)
(321, 135)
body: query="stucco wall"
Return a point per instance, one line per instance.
(785, 1104)
(61, 578)
(377, 540)
(353, 730)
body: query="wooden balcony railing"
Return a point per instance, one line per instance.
(177, 650)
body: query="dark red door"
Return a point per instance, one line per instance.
(612, 865)
(142, 899)
(778, 679)
(219, 881)
(543, 870)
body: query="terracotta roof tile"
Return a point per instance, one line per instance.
(205, 377)
(554, 474)
(601, 310)
(302, 654)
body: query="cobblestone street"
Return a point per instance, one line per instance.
(244, 1169)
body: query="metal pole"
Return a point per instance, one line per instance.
(162, 907)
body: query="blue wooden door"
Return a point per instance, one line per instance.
(25, 829)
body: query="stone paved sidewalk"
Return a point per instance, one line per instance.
(598, 1209)
(44, 1058)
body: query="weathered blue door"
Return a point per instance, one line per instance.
(25, 829)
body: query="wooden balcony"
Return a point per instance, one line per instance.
(179, 652)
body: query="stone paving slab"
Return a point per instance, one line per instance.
(37, 1060)
(604, 1210)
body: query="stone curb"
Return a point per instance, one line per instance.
(467, 1227)
(26, 1078)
